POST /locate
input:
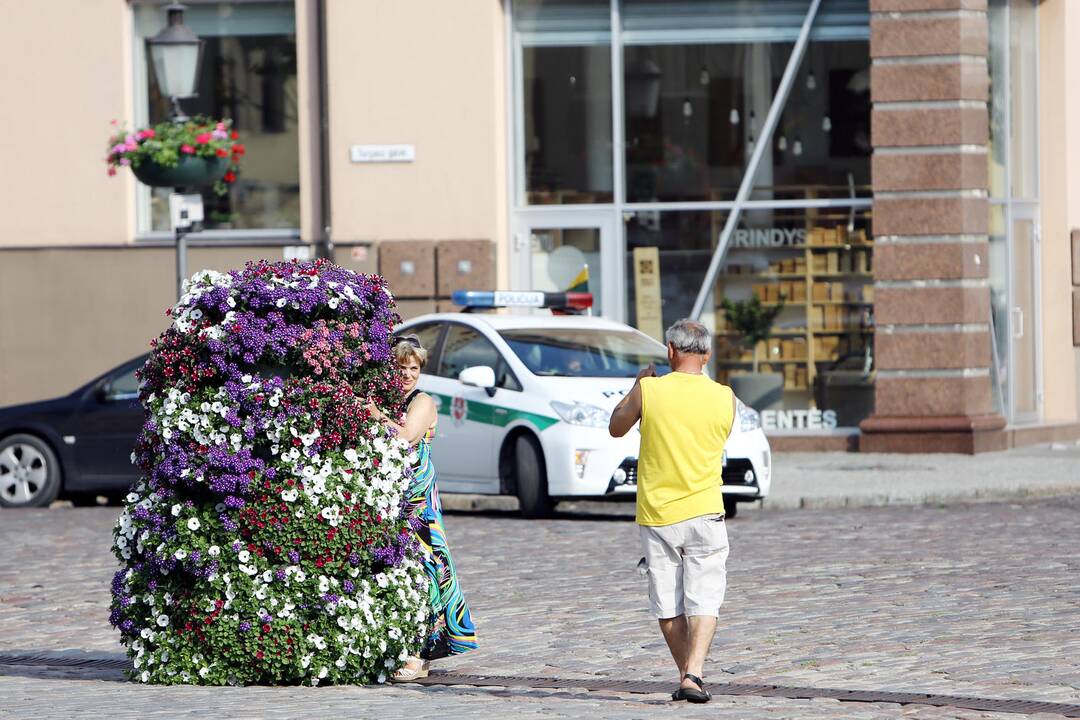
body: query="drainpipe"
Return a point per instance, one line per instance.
(324, 245)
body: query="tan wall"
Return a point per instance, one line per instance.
(429, 73)
(1059, 125)
(69, 315)
(65, 75)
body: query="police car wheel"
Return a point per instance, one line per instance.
(532, 490)
(731, 507)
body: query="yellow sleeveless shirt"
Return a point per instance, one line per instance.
(685, 421)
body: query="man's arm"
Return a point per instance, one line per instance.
(628, 411)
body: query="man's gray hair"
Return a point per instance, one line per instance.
(689, 336)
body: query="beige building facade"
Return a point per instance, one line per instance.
(910, 213)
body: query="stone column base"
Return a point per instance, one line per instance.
(960, 434)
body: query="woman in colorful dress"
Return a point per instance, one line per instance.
(452, 629)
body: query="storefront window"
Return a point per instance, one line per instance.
(565, 101)
(999, 304)
(696, 82)
(693, 112)
(1024, 118)
(1014, 211)
(248, 73)
(690, 136)
(997, 62)
(816, 265)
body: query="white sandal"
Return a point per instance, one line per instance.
(409, 674)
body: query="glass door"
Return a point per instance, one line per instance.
(552, 250)
(1025, 379)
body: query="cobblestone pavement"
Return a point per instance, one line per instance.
(978, 600)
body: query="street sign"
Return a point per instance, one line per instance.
(382, 153)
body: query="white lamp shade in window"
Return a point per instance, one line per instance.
(175, 54)
(176, 67)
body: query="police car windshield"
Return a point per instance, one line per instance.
(564, 352)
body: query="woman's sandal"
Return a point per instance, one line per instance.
(701, 695)
(409, 672)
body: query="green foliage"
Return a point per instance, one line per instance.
(167, 142)
(751, 320)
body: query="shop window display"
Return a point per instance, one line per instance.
(817, 264)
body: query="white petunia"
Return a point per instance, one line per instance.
(162, 620)
(213, 551)
(193, 524)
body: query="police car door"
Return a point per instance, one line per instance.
(464, 451)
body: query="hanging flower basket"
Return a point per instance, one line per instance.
(191, 171)
(198, 152)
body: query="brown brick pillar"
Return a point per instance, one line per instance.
(929, 86)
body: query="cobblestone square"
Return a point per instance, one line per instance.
(969, 599)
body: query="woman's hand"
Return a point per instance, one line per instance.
(375, 412)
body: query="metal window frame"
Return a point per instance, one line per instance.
(140, 117)
(1019, 208)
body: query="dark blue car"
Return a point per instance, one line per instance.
(77, 446)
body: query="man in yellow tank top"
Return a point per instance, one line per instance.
(685, 421)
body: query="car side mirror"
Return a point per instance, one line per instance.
(480, 376)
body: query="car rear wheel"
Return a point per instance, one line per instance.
(532, 488)
(29, 472)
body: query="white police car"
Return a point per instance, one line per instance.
(524, 402)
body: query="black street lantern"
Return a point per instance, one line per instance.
(176, 52)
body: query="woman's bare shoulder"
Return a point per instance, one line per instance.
(421, 400)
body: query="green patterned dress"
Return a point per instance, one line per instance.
(452, 631)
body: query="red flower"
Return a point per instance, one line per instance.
(229, 177)
(239, 149)
(222, 152)
(234, 135)
(202, 138)
(188, 149)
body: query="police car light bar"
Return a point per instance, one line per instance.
(555, 300)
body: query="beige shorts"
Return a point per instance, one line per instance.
(686, 566)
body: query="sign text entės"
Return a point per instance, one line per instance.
(798, 420)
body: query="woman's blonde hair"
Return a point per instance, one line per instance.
(408, 348)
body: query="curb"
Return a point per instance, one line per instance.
(467, 502)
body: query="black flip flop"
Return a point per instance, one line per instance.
(690, 694)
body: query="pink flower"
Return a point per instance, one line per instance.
(112, 171)
(202, 138)
(188, 149)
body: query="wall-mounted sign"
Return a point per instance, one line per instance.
(647, 298)
(798, 420)
(382, 153)
(768, 237)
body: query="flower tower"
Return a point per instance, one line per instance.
(268, 540)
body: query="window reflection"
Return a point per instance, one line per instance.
(816, 264)
(695, 112)
(567, 94)
(248, 73)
